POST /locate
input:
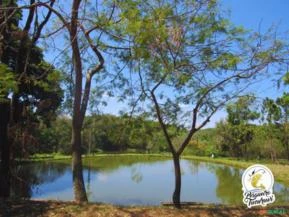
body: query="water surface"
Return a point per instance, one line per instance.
(141, 180)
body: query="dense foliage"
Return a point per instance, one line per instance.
(104, 133)
(174, 63)
(108, 133)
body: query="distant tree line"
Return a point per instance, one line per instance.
(247, 132)
(184, 60)
(103, 133)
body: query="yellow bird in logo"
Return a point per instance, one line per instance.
(255, 181)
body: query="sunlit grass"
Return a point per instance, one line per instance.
(279, 170)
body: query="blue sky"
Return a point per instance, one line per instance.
(252, 15)
(249, 13)
(255, 14)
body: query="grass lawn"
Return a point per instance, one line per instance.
(280, 171)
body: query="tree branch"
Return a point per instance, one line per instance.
(163, 126)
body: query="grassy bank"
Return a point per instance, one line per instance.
(52, 156)
(280, 170)
(24, 208)
(57, 156)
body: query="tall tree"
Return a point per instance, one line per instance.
(242, 111)
(271, 115)
(85, 25)
(283, 103)
(236, 132)
(32, 84)
(189, 62)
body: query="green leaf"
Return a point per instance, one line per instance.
(8, 81)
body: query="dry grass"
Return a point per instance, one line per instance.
(25, 208)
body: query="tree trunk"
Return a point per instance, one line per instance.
(5, 150)
(272, 152)
(78, 182)
(178, 181)
(287, 147)
(90, 142)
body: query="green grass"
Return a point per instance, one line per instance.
(58, 156)
(280, 171)
(52, 156)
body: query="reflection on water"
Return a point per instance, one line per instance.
(136, 174)
(138, 180)
(26, 179)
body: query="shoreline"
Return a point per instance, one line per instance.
(49, 208)
(280, 171)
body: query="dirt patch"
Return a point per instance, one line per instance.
(31, 208)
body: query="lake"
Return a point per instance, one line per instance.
(134, 180)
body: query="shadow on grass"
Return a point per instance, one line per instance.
(24, 208)
(31, 208)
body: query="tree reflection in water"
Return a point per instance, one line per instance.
(221, 184)
(229, 188)
(25, 177)
(136, 174)
(281, 194)
(88, 180)
(194, 167)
